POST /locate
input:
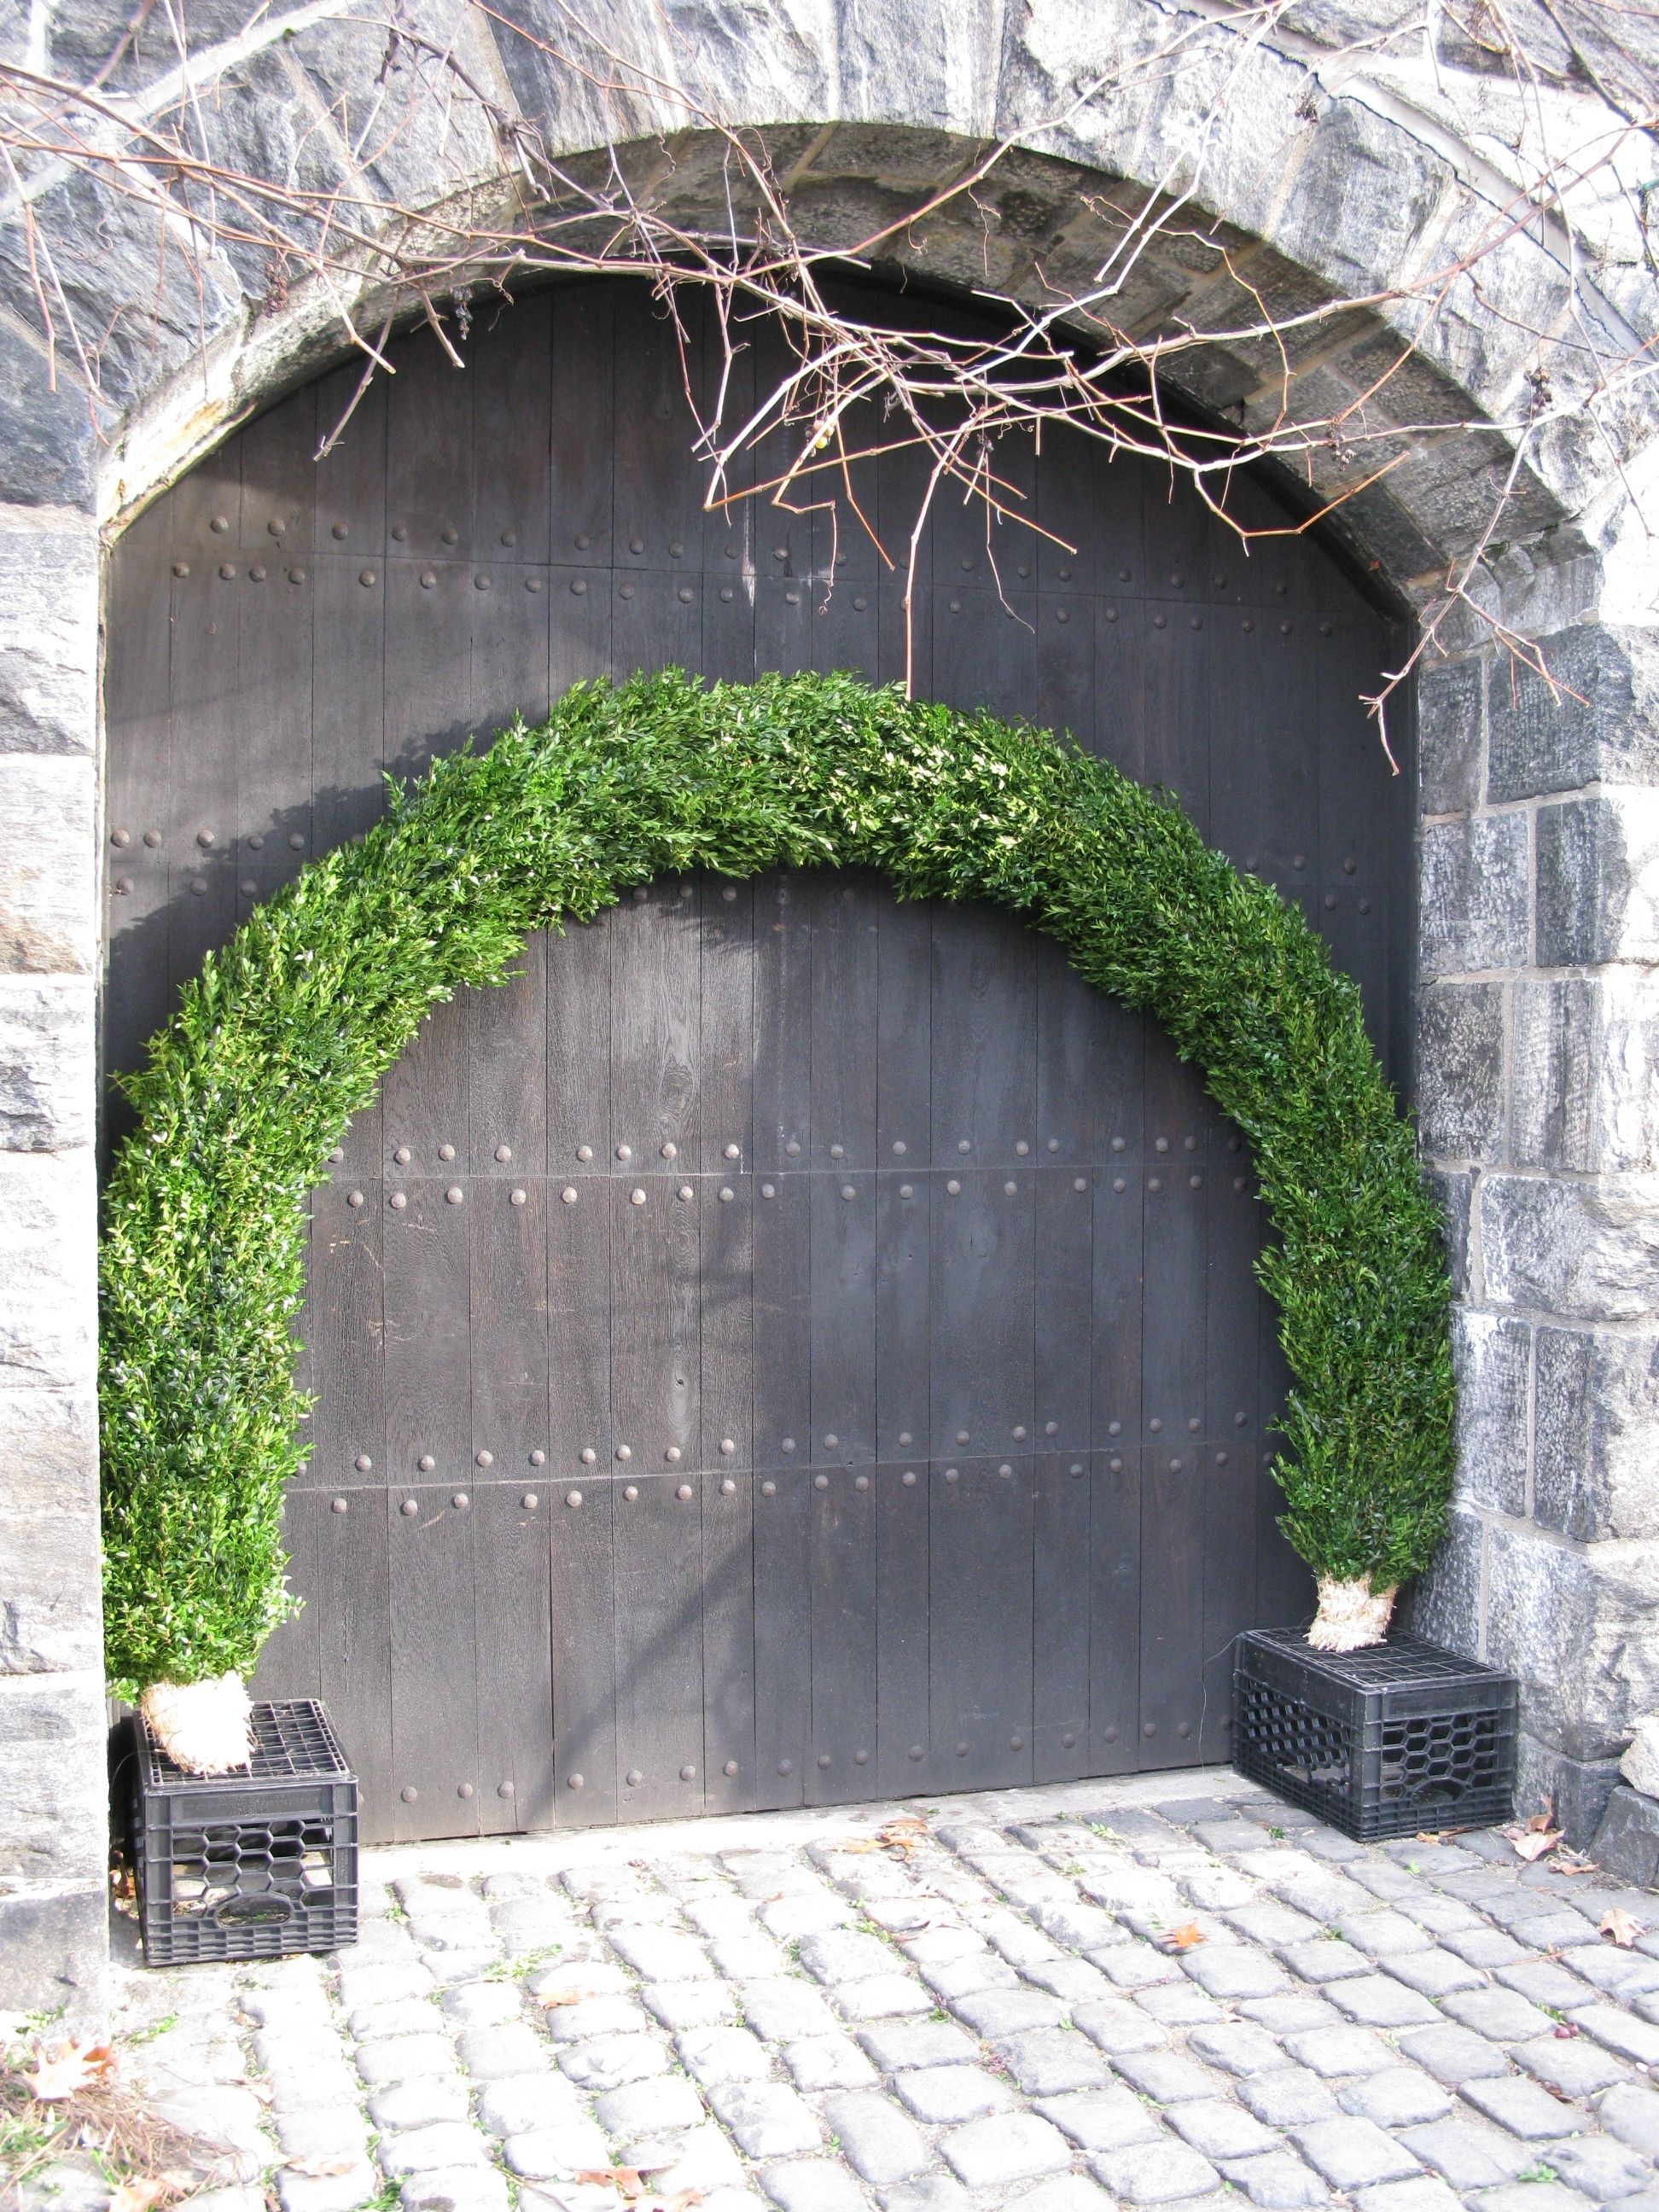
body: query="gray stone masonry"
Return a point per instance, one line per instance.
(1341, 159)
(504, 2024)
(1538, 1089)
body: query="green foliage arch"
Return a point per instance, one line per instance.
(287, 1033)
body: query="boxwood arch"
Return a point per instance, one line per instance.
(287, 1033)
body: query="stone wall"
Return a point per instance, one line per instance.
(1335, 172)
(1539, 1094)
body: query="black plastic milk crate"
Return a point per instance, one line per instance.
(253, 1864)
(1385, 1742)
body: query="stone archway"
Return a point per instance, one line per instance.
(1534, 831)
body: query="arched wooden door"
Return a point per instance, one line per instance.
(787, 1346)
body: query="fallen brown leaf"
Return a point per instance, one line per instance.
(552, 1999)
(1565, 2030)
(1543, 1819)
(1623, 1927)
(1532, 1843)
(73, 2067)
(317, 2166)
(139, 2191)
(1187, 1937)
(628, 2181)
(681, 2200)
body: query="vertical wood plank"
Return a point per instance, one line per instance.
(582, 427)
(904, 1610)
(582, 1609)
(510, 1559)
(509, 1326)
(1060, 1607)
(728, 1642)
(1171, 1605)
(654, 1360)
(843, 1316)
(582, 1431)
(435, 1702)
(783, 1666)
(657, 1521)
(980, 1560)
(844, 1636)
(429, 1335)
(1116, 1611)
(353, 1640)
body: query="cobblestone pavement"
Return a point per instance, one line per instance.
(766, 2013)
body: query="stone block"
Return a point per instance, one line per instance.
(1578, 1788)
(690, 2004)
(53, 1829)
(1450, 736)
(51, 1615)
(1398, 2097)
(1014, 2147)
(1217, 2126)
(1580, 1629)
(1454, 1194)
(828, 2062)
(48, 1082)
(1597, 1434)
(1578, 2069)
(1627, 1841)
(54, 1953)
(941, 2096)
(48, 1261)
(1523, 2108)
(1047, 2061)
(1447, 1604)
(609, 2061)
(1553, 1078)
(1289, 2098)
(815, 2184)
(882, 2143)
(1461, 1087)
(49, 564)
(1155, 2174)
(1584, 1251)
(456, 2189)
(48, 878)
(1597, 721)
(1007, 2012)
(768, 2120)
(1475, 895)
(1598, 880)
(1102, 2119)
(1601, 2169)
(1492, 1355)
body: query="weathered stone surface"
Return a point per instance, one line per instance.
(53, 1729)
(1627, 1841)
(1584, 1250)
(54, 1951)
(1493, 1358)
(1600, 724)
(1450, 734)
(1461, 1077)
(1475, 895)
(47, 1085)
(1596, 1433)
(1598, 884)
(48, 898)
(1585, 1073)
(50, 1614)
(1579, 1628)
(48, 1262)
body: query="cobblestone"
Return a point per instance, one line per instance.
(990, 2020)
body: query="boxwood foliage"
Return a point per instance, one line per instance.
(287, 1033)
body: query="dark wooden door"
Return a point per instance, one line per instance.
(787, 1347)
